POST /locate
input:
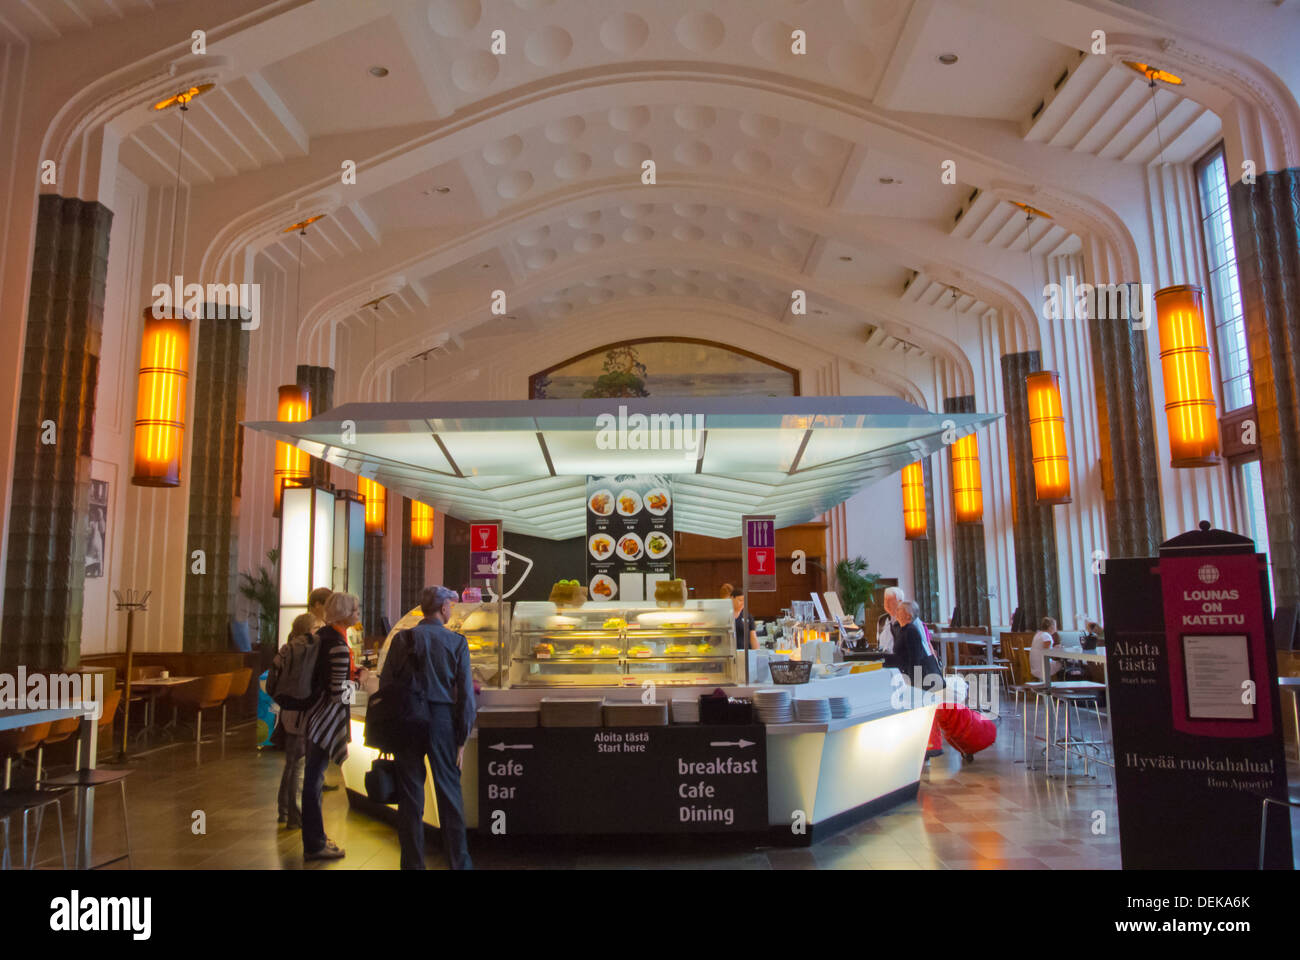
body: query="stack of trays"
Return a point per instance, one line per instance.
(686, 711)
(562, 712)
(773, 706)
(840, 707)
(816, 710)
(636, 714)
(507, 717)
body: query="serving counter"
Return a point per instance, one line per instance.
(818, 777)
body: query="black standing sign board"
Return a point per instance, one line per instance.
(623, 780)
(1194, 705)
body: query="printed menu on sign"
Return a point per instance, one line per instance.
(629, 529)
(1218, 675)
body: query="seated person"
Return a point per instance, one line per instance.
(1045, 639)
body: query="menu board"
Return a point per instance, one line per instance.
(609, 780)
(629, 530)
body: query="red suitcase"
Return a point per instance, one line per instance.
(965, 729)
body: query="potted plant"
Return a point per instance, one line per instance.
(857, 586)
(261, 589)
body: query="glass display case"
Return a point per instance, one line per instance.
(479, 622)
(622, 643)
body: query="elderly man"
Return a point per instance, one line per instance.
(433, 662)
(914, 657)
(887, 625)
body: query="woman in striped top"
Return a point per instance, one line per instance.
(327, 724)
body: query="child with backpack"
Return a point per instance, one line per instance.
(289, 684)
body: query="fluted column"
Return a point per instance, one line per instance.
(1266, 230)
(1038, 585)
(374, 587)
(46, 569)
(216, 461)
(969, 563)
(412, 562)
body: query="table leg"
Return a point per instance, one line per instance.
(89, 736)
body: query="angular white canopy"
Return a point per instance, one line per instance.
(526, 462)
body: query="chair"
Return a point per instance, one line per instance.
(27, 802)
(83, 780)
(16, 743)
(145, 672)
(60, 730)
(239, 681)
(205, 693)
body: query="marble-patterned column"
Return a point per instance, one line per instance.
(216, 460)
(1130, 472)
(1266, 230)
(319, 384)
(1038, 584)
(925, 558)
(48, 514)
(969, 562)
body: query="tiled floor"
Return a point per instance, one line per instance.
(991, 814)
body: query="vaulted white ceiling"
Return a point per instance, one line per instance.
(522, 171)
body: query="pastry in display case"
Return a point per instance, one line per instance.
(478, 622)
(620, 643)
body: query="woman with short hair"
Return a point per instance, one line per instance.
(327, 724)
(1043, 641)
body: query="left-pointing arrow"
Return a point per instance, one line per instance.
(511, 746)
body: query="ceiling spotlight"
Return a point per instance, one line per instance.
(888, 181)
(485, 266)
(847, 259)
(430, 191)
(947, 59)
(379, 71)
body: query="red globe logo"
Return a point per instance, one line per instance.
(1208, 573)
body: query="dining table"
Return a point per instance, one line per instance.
(951, 640)
(1097, 655)
(155, 687)
(88, 733)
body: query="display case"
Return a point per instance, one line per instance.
(484, 632)
(616, 644)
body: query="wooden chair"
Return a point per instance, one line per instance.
(16, 743)
(239, 681)
(60, 730)
(205, 693)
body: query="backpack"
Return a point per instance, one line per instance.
(397, 714)
(291, 681)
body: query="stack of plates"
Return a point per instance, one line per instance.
(773, 706)
(839, 707)
(686, 711)
(816, 710)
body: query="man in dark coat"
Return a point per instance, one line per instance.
(434, 662)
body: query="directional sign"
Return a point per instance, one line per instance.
(484, 558)
(607, 780)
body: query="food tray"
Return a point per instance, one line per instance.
(497, 717)
(636, 714)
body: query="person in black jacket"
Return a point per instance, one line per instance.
(435, 662)
(915, 659)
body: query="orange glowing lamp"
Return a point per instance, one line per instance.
(160, 401)
(967, 490)
(421, 524)
(1047, 438)
(291, 464)
(1190, 409)
(376, 498)
(914, 522)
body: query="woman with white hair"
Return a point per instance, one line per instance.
(327, 723)
(887, 626)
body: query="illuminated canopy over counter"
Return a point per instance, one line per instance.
(526, 461)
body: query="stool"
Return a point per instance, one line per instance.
(83, 780)
(1066, 698)
(13, 802)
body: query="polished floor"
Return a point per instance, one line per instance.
(214, 808)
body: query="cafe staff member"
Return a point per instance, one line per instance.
(742, 622)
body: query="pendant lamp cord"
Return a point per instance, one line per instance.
(176, 196)
(1029, 252)
(297, 293)
(1154, 109)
